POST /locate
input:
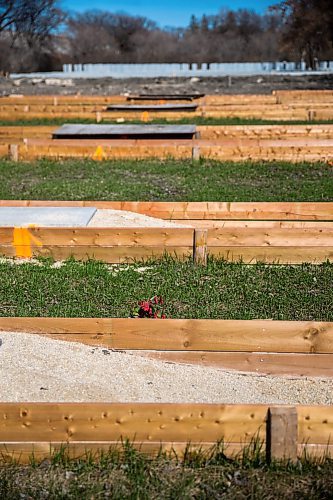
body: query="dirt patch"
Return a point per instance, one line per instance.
(263, 84)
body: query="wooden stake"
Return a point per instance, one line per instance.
(200, 246)
(14, 152)
(196, 153)
(281, 434)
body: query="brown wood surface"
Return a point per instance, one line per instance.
(276, 236)
(22, 452)
(184, 334)
(281, 434)
(111, 255)
(274, 255)
(105, 236)
(200, 247)
(232, 211)
(207, 132)
(142, 422)
(315, 425)
(286, 364)
(235, 225)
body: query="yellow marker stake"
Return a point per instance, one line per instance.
(99, 154)
(145, 116)
(22, 240)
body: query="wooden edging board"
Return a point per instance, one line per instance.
(211, 335)
(212, 132)
(201, 210)
(312, 243)
(41, 428)
(98, 150)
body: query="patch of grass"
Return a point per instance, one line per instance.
(130, 474)
(168, 180)
(221, 290)
(195, 120)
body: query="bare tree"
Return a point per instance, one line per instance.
(36, 20)
(307, 28)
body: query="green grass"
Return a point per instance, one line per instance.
(195, 120)
(169, 180)
(220, 290)
(132, 475)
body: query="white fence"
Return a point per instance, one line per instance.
(187, 70)
(180, 70)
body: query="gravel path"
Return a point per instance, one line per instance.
(123, 218)
(34, 368)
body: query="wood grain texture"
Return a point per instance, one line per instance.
(274, 255)
(141, 422)
(110, 255)
(22, 452)
(275, 236)
(215, 211)
(286, 364)
(315, 425)
(281, 434)
(184, 334)
(105, 236)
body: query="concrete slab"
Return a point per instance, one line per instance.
(46, 216)
(80, 131)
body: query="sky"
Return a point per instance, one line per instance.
(173, 13)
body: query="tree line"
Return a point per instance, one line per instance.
(37, 35)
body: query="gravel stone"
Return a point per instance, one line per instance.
(73, 372)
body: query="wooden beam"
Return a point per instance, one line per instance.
(274, 255)
(315, 425)
(200, 247)
(270, 237)
(23, 452)
(140, 422)
(286, 364)
(281, 434)
(184, 334)
(206, 211)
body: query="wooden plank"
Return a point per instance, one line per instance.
(104, 236)
(205, 211)
(323, 131)
(236, 225)
(184, 334)
(92, 326)
(207, 132)
(277, 237)
(140, 422)
(111, 255)
(315, 425)
(274, 255)
(22, 452)
(281, 434)
(287, 364)
(200, 247)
